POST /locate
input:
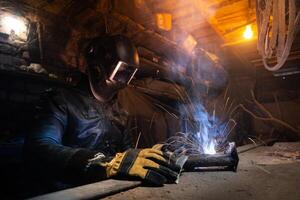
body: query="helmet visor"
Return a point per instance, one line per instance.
(123, 73)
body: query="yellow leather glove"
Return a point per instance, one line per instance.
(148, 164)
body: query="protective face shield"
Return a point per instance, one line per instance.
(122, 73)
(112, 64)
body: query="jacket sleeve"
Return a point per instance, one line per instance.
(44, 145)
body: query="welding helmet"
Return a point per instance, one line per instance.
(112, 62)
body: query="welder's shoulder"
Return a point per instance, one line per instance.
(54, 96)
(53, 93)
(69, 97)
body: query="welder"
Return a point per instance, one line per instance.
(79, 135)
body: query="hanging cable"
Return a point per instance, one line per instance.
(275, 33)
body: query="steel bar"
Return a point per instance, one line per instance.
(224, 161)
(227, 161)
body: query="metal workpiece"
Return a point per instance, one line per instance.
(227, 160)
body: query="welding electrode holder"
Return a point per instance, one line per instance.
(227, 161)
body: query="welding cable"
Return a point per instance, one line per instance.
(271, 23)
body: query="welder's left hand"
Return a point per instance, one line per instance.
(148, 164)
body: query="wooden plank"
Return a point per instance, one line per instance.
(109, 187)
(91, 191)
(249, 147)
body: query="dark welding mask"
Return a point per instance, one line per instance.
(112, 63)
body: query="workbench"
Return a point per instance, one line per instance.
(264, 172)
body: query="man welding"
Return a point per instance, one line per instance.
(77, 138)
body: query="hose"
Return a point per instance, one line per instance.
(275, 33)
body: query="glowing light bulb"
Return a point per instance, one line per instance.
(248, 33)
(13, 24)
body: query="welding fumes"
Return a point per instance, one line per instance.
(202, 126)
(204, 137)
(207, 129)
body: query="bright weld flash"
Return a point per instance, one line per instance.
(248, 33)
(211, 148)
(11, 23)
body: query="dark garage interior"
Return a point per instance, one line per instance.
(149, 99)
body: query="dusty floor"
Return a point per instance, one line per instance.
(263, 173)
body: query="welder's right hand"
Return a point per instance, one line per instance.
(148, 164)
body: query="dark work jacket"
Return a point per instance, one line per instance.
(71, 127)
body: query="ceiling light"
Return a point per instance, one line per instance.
(13, 24)
(164, 21)
(248, 33)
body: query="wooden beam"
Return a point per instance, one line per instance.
(293, 56)
(149, 32)
(210, 19)
(91, 191)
